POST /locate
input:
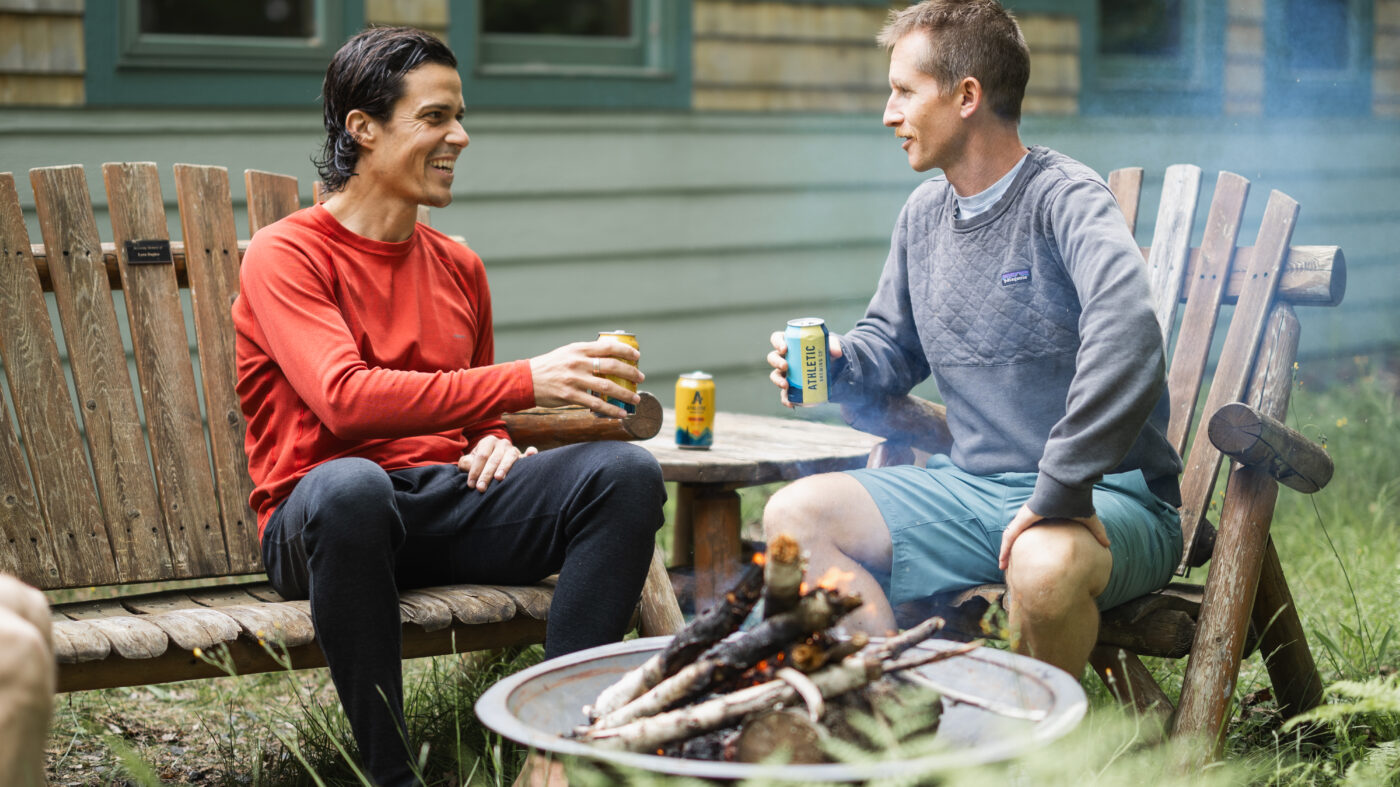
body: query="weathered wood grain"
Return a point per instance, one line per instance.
(661, 613)
(271, 197)
(1241, 544)
(1126, 185)
(36, 384)
(1254, 438)
(178, 450)
(77, 641)
(1171, 243)
(425, 610)
(550, 427)
(1282, 641)
(531, 600)
(751, 449)
(206, 219)
(1233, 370)
(135, 531)
(474, 604)
(1205, 286)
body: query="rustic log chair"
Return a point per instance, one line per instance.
(1209, 625)
(155, 494)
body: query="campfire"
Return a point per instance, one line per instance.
(791, 684)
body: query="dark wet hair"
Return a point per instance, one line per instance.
(367, 74)
(968, 38)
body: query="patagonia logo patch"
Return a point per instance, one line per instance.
(1015, 277)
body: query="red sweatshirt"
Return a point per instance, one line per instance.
(354, 347)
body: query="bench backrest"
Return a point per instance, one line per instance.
(93, 492)
(1264, 282)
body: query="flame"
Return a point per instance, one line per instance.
(835, 579)
(759, 558)
(802, 589)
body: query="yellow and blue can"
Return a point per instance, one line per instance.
(806, 357)
(695, 410)
(630, 339)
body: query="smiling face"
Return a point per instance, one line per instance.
(928, 118)
(411, 154)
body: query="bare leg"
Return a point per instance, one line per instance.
(26, 683)
(1054, 574)
(838, 524)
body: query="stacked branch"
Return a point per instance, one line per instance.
(688, 698)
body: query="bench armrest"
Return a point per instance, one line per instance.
(1258, 440)
(550, 427)
(906, 420)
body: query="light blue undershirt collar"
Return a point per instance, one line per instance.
(968, 207)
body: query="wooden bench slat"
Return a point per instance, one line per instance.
(532, 600)
(474, 604)
(132, 637)
(1205, 288)
(164, 368)
(206, 219)
(425, 610)
(1236, 362)
(127, 491)
(270, 198)
(1171, 242)
(1126, 185)
(32, 370)
(78, 641)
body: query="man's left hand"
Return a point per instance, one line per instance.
(490, 460)
(1026, 518)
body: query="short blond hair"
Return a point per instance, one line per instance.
(968, 38)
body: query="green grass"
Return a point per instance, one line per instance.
(1340, 549)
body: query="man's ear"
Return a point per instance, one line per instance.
(969, 96)
(361, 128)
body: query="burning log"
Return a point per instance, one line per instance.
(652, 732)
(817, 610)
(713, 625)
(782, 575)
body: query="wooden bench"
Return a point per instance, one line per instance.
(1244, 604)
(148, 487)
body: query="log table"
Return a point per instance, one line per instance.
(749, 450)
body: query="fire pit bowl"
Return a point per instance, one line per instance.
(538, 706)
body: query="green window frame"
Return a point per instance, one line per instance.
(1190, 82)
(648, 70)
(1292, 91)
(128, 68)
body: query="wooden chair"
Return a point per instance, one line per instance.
(149, 487)
(1245, 603)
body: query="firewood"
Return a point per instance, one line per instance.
(817, 610)
(782, 575)
(702, 632)
(652, 732)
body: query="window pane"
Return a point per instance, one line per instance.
(254, 18)
(602, 18)
(1149, 28)
(1317, 34)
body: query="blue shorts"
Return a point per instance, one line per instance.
(946, 525)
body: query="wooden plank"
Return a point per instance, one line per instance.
(270, 197)
(1206, 285)
(135, 531)
(715, 521)
(1236, 359)
(1284, 646)
(1126, 185)
(426, 610)
(1171, 243)
(131, 637)
(1240, 546)
(31, 368)
(77, 641)
(473, 604)
(188, 504)
(532, 600)
(661, 612)
(206, 219)
(1130, 682)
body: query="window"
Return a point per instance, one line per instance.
(1153, 57)
(1317, 56)
(573, 53)
(210, 52)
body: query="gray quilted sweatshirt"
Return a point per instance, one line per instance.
(1035, 320)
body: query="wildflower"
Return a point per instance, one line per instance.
(198, 653)
(1341, 422)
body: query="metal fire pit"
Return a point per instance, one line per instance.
(538, 706)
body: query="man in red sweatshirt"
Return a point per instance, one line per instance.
(375, 440)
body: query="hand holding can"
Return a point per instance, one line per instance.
(806, 340)
(629, 339)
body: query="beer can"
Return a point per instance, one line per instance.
(806, 358)
(695, 410)
(630, 339)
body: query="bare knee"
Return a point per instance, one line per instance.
(1055, 567)
(26, 664)
(795, 510)
(26, 602)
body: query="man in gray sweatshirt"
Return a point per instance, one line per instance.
(1014, 281)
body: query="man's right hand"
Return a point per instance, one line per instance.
(778, 360)
(567, 376)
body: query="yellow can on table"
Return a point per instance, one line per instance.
(630, 339)
(695, 411)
